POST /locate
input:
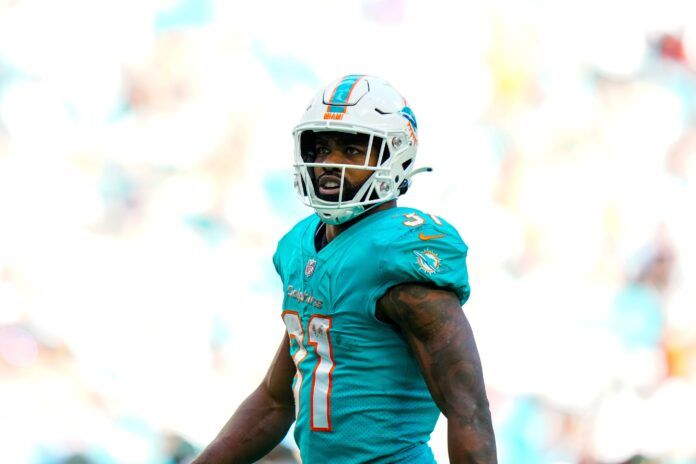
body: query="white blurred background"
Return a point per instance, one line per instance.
(145, 178)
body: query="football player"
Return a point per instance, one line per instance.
(377, 344)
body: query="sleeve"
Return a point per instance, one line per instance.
(276, 260)
(426, 255)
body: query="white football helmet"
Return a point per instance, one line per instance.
(358, 104)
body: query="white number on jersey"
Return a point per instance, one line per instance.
(295, 333)
(320, 397)
(414, 220)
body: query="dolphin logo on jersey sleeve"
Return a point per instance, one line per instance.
(428, 261)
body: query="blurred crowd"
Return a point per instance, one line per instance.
(145, 178)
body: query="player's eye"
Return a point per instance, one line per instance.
(322, 150)
(352, 150)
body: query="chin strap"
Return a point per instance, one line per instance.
(406, 183)
(418, 171)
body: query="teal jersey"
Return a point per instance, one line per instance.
(359, 393)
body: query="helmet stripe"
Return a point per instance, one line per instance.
(342, 92)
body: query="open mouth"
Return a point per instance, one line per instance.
(329, 185)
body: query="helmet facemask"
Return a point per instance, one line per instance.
(357, 104)
(351, 200)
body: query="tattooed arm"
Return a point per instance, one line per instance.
(433, 323)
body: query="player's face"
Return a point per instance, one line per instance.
(342, 148)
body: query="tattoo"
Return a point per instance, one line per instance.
(433, 323)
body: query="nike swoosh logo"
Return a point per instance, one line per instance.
(422, 236)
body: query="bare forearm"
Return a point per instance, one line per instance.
(470, 439)
(257, 426)
(460, 392)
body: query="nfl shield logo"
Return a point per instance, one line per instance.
(309, 268)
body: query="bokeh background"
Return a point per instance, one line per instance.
(145, 178)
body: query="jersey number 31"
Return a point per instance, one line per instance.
(318, 329)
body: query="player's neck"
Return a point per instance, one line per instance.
(333, 231)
